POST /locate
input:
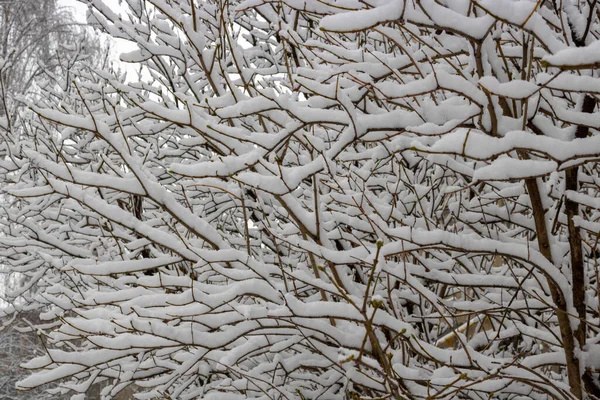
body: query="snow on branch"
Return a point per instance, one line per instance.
(317, 200)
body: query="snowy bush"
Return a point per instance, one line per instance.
(319, 200)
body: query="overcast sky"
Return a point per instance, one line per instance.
(120, 46)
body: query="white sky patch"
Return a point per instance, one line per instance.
(119, 46)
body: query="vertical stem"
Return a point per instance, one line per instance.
(566, 331)
(572, 210)
(137, 209)
(575, 247)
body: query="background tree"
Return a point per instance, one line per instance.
(14, 347)
(320, 199)
(39, 40)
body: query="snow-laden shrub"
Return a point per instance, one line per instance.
(319, 200)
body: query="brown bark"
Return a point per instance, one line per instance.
(569, 336)
(572, 210)
(575, 246)
(566, 331)
(575, 243)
